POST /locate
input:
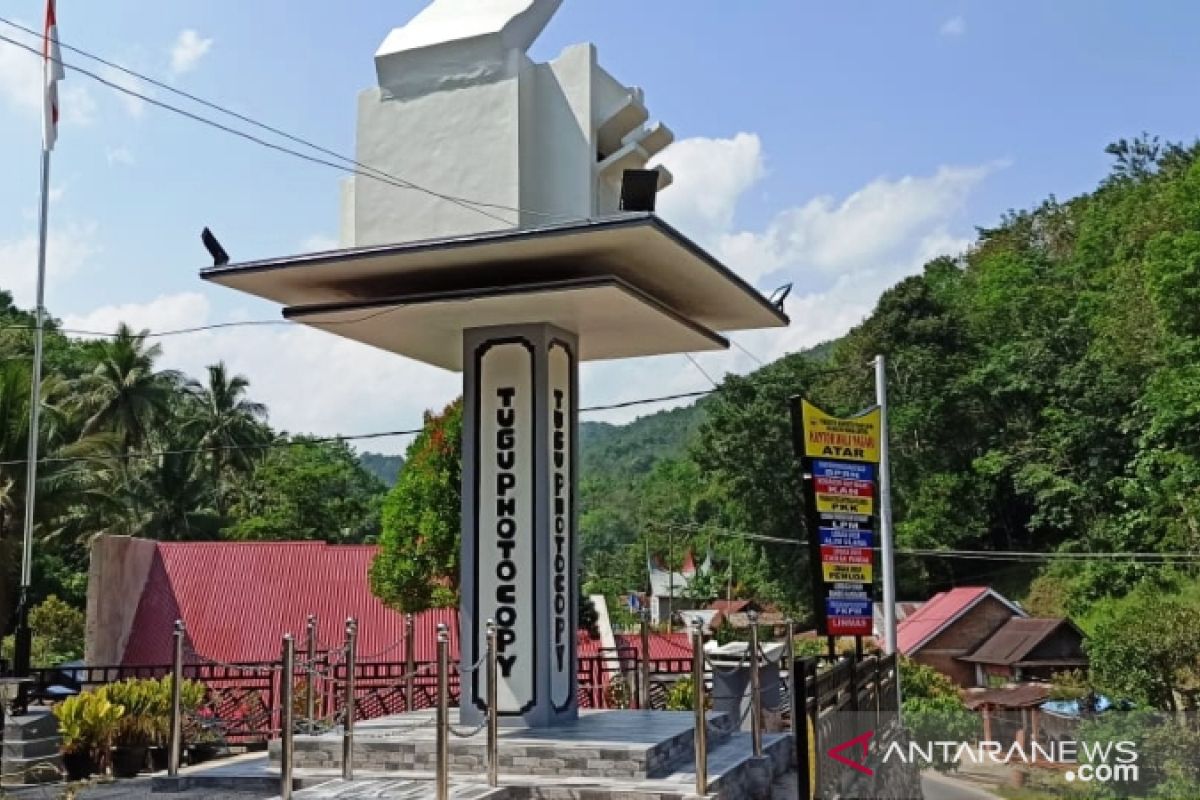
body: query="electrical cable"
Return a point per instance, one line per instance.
(458, 200)
(696, 364)
(251, 137)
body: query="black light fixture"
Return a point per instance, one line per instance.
(639, 189)
(779, 295)
(219, 256)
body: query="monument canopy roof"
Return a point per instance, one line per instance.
(611, 318)
(649, 264)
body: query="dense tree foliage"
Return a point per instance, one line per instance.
(309, 490)
(130, 448)
(418, 562)
(1044, 389)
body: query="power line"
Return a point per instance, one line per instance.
(646, 401)
(985, 555)
(755, 358)
(279, 132)
(696, 364)
(307, 440)
(298, 442)
(375, 175)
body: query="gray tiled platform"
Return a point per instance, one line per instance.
(394, 789)
(733, 772)
(605, 744)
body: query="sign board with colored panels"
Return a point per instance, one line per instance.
(839, 457)
(843, 439)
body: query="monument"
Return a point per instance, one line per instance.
(512, 264)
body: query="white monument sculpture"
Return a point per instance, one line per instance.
(514, 298)
(460, 108)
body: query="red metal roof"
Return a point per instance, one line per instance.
(662, 645)
(934, 615)
(238, 599)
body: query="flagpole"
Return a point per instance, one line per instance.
(52, 72)
(23, 634)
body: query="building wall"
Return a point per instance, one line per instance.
(462, 142)
(962, 637)
(119, 566)
(1066, 642)
(471, 120)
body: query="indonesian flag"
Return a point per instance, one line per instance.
(52, 73)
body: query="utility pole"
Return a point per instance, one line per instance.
(887, 547)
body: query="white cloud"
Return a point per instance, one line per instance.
(318, 243)
(827, 235)
(292, 368)
(165, 312)
(710, 177)
(119, 155)
(67, 252)
(187, 51)
(955, 26)
(840, 253)
(21, 87)
(135, 106)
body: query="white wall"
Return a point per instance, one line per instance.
(469, 118)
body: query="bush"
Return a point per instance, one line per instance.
(58, 630)
(88, 722)
(933, 708)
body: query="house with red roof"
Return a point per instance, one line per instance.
(238, 599)
(952, 625)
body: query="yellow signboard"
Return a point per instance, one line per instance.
(836, 504)
(843, 439)
(847, 573)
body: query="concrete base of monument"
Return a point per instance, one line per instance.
(29, 753)
(633, 755)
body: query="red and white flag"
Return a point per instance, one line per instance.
(52, 73)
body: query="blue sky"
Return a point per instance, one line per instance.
(835, 145)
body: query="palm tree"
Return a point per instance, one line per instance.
(230, 427)
(56, 480)
(124, 393)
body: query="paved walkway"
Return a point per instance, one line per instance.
(391, 789)
(936, 786)
(135, 789)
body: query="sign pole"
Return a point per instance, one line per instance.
(887, 550)
(839, 457)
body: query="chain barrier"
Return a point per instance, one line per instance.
(467, 734)
(468, 670)
(417, 673)
(373, 656)
(253, 669)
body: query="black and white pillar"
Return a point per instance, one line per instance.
(520, 427)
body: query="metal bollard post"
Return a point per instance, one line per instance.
(789, 658)
(287, 723)
(310, 697)
(443, 712)
(410, 661)
(701, 722)
(644, 684)
(348, 701)
(493, 708)
(175, 745)
(756, 720)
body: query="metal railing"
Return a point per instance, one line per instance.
(831, 705)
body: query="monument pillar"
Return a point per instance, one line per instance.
(520, 390)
